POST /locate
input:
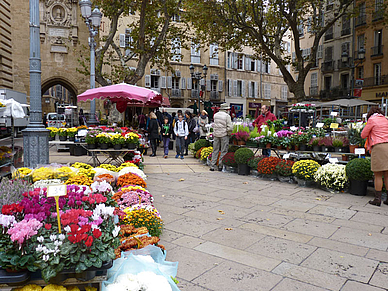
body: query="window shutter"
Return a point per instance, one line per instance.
(122, 40)
(230, 85)
(183, 83)
(247, 63)
(319, 51)
(189, 83)
(234, 88)
(234, 57)
(201, 82)
(243, 89)
(314, 80)
(147, 81)
(208, 83)
(258, 65)
(269, 67)
(163, 82)
(256, 93)
(169, 82)
(220, 85)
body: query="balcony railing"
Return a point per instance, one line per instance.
(214, 95)
(375, 81)
(156, 89)
(335, 92)
(194, 93)
(360, 20)
(377, 51)
(378, 14)
(328, 36)
(345, 31)
(176, 93)
(314, 91)
(327, 66)
(344, 65)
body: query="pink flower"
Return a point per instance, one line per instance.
(24, 229)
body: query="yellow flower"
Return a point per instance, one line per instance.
(29, 287)
(53, 287)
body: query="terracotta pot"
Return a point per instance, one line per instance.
(279, 147)
(268, 145)
(345, 158)
(296, 147)
(352, 147)
(240, 142)
(235, 142)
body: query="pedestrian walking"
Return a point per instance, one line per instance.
(221, 130)
(260, 120)
(166, 135)
(153, 131)
(376, 133)
(181, 131)
(203, 121)
(191, 125)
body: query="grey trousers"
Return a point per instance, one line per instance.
(219, 144)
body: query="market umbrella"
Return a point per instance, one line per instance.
(123, 93)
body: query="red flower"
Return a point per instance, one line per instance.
(47, 226)
(72, 238)
(97, 233)
(89, 241)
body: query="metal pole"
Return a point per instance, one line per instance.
(92, 44)
(35, 136)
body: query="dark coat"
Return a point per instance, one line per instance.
(153, 129)
(168, 132)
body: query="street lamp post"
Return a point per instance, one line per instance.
(361, 58)
(35, 136)
(197, 76)
(93, 22)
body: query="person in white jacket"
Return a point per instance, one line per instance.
(221, 130)
(181, 131)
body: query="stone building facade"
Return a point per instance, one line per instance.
(6, 73)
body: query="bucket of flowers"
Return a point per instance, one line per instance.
(332, 177)
(304, 171)
(117, 140)
(103, 139)
(229, 163)
(71, 132)
(267, 168)
(132, 140)
(242, 156)
(53, 132)
(327, 144)
(62, 133)
(284, 171)
(205, 153)
(91, 139)
(252, 163)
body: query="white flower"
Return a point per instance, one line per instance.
(57, 243)
(46, 257)
(39, 248)
(53, 237)
(40, 239)
(116, 231)
(61, 236)
(103, 211)
(67, 228)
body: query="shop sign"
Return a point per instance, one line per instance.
(254, 105)
(381, 94)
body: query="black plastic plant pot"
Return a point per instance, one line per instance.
(104, 146)
(14, 278)
(131, 146)
(358, 188)
(244, 169)
(91, 146)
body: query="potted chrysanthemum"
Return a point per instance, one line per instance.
(304, 172)
(332, 177)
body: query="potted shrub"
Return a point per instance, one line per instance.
(354, 135)
(267, 167)
(332, 177)
(304, 171)
(62, 133)
(253, 162)
(314, 143)
(91, 139)
(229, 163)
(359, 173)
(327, 144)
(241, 137)
(117, 140)
(285, 142)
(242, 156)
(284, 170)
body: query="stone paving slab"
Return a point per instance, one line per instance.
(380, 277)
(239, 256)
(311, 228)
(339, 246)
(371, 218)
(307, 275)
(191, 226)
(303, 215)
(294, 205)
(336, 212)
(358, 225)
(231, 276)
(293, 285)
(357, 286)
(377, 255)
(267, 219)
(214, 218)
(282, 249)
(341, 264)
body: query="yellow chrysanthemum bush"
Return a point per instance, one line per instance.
(305, 169)
(206, 152)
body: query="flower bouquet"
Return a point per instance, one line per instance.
(267, 167)
(304, 171)
(130, 179)
(332, 176)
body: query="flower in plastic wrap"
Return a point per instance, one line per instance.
(43, 173)
(142, 281)
(63, 173)
(21, 173)
(134, 170)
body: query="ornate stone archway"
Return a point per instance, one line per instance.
(50, 82)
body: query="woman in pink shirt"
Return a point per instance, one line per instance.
(376, 132)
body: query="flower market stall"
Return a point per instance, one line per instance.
(68, 227)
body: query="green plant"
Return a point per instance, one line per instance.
(331, 176)
(233, 148)
(305, 169)
(254, 133)
(338, 143)
(229, 160)
(201, 143)
(284, 168)
(354, 135)
(62, 132)
(359, 169)
(252, 163)
(243, 155)
(285, 142)
(11, 190)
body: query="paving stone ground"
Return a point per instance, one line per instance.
(231, 232)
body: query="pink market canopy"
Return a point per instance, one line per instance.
(124, 94)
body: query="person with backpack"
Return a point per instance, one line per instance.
(166, 135)
(181, 131)
(192, 124)
(153, 130)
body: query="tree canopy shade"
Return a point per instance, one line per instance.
(264, 25)
(149, 38)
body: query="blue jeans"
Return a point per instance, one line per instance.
(266, 152)
(180, 145)
(166, 141)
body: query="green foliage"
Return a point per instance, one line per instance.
(201, 143)
(254, 133)
(243, 155)
(252, 163)
(233, 148)
(229, 160)
(359, 169)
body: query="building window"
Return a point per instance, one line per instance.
(345, 81)
(195, 53)
(213, 85)
(176, 50)
(345, 25)
(378, 41)
(327, 82)
(301, 30)
(314, 80)
(155, 81)
(267, 91)
(239, 88)
(284, 92)
(267, 67)
(360, 72)
(240, 62)
(214, 54)
(377, 73)
(176, 18)
(329, 33)
(175, 82)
